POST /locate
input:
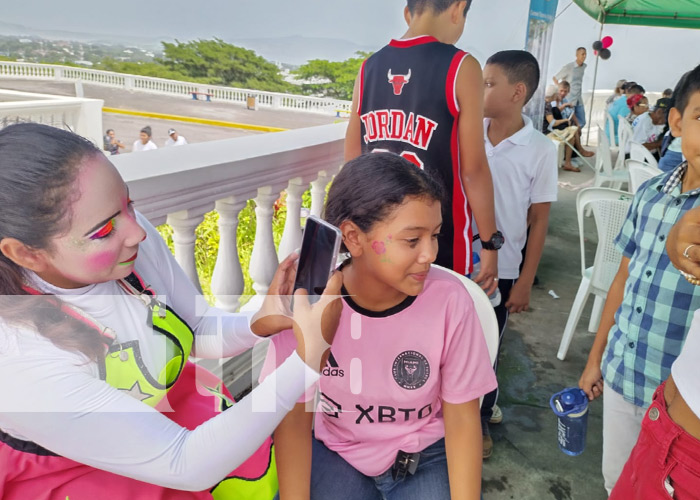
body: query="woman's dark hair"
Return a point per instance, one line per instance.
(38, 167)
(370, 187)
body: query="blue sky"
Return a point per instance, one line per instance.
(655, 57)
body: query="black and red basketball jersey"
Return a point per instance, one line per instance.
(408, 105)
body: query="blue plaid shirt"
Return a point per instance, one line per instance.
(658, 303)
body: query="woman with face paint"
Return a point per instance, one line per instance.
(97, 322)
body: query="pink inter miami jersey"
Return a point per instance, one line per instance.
(407, 105)
(388, 373)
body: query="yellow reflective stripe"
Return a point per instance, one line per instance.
(127, 377)
(263, 488)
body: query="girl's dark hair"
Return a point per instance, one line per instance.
(370, 187)
(38, 167)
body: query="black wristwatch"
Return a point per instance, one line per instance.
(495, 243)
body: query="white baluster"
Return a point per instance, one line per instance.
(318, 193)
(184, 225)
(263, 261)
(291, 237)
(227, 279)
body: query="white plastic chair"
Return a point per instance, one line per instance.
(604, 171)
(624, 136)
(640, 172)
(610, 208)
(640, 153)
(484, 309)
(611, 128)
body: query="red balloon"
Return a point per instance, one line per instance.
(595, 52)
(607, 41)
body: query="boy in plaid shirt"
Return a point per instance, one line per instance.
(648, 310)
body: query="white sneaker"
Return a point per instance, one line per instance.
(496, 416)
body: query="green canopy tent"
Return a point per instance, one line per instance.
(658, 13)
(661, 13)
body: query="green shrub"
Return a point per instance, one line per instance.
(207, 245)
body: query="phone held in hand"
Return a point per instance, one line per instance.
(317, 260)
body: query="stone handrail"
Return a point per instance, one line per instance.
(82, 116)
(274, 100)
(180, 185)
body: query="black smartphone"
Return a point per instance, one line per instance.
(317, 259)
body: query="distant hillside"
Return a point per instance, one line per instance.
(153, 43)
(298, 49)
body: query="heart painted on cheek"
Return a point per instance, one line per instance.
(378, 247)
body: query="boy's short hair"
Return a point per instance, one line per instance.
(581, 48)
(687, 86)
(437, 6)
(519, 66)
(565, 84)
(636, 88)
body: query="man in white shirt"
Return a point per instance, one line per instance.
(144, 142)
(648, 127)
(573, 73)
(174, 139)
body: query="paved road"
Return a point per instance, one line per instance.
(127, 127)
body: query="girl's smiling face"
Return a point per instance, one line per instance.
(102, 239)
(397, 252)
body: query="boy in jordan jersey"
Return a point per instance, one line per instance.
(421, 97)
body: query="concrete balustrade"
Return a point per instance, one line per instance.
(83, 116)
(180, 185)
(272, 100)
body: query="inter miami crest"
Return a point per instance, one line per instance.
(411, 370)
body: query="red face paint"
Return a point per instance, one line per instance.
(104, 231)
(101, 261)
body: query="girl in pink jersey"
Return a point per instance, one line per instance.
(398, 416)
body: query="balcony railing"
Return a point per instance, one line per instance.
(271, 100)
(82, 116)
(180, 185)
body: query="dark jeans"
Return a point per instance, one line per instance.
(334, 478)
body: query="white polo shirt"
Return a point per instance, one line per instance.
(524, 171)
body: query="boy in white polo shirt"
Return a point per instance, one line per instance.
(523, 165)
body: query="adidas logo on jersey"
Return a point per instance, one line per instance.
(332, 369)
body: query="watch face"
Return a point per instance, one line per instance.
(498, 240)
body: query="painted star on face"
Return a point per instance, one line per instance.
(136, 392)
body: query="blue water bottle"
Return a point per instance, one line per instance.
(571, 408)
(495, 297)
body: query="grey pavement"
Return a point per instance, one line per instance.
(526, 463)
(127, 127)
